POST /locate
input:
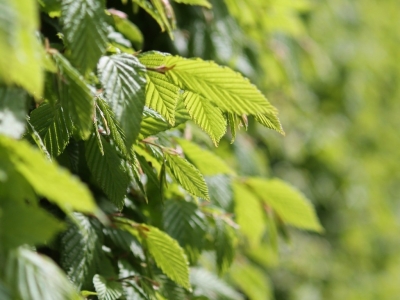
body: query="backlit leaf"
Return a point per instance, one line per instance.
(249, 213)
(290, 204)
(206, 161)
(187, 176)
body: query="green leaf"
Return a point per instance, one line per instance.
(20, 52)
(270, 122)
(53, 127)
(107, 290)
(5, 293)
(249, 213)
(252, 281)
(187, 175)
(206, 161)
(220, 190)
(229, 90)
(13, 108)
(109, 171)
(127, 28)
(160, 11)
(168, 255)
(204, 3)
(80, 248)
(34, 225)
(75, 96)
(290, 204)
(206, 115)
(234, 124)
(123, 79)
(184, 222)
(225, 244)
(162, 96)
(48, 180)
(33, 276)
(111, 124)
(208, 284)
(153, 123)
(85, 31)
(148, 170)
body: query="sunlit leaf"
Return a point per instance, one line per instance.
(289, 203)
(249, 213)
(162, 96)
(206, 161)
(20, 52)
(85, 31)
(187, 176)
(123, 79)
(107, 290)
(33, 276)
(47, 179)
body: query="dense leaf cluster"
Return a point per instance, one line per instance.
(103, 192)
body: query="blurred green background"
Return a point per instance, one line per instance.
(332, 69)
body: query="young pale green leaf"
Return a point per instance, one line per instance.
(234, 124)
(225, 244)
(107, 290)
(13, 107)
(80, 248)
(76, 99)
(85, 31)
(33, 276)
(249, 213)
(124, 82)
(162, 96)
(35, 225)
(252, 281)
(221, 85)
(209, 285)
(187, 175)
(207, 162)
(270, 122)
(168, 255)
(290, 204)
(109, 171)
(20, 52)
(229, 90)
(204, 3)
(53, 127)
(206, 115)
(46, 178)
(184, 222)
